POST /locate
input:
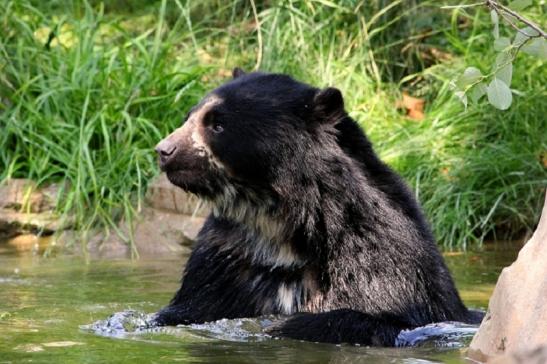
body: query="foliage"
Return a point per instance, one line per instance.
(495, 85)
(87, 90)
(83, 102)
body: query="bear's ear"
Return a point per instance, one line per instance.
(328, 105)
(237, 72)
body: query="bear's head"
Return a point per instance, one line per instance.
(254, 139)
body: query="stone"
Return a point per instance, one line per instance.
(13, 223)
(536, 356)
(158, 231)
(516, 321)
(155, 232)
(163, 195)
(24, 207)
(167, 224)
(20, 194)
(30, 242)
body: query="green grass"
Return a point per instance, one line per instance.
(87, 106)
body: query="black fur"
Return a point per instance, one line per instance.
(306, 220)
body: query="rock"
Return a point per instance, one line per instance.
(163, 195)
(167, 224)
(20, 194)
(97, 243)
(23, 195)
(155, 232)
(536, 356)
(30, 242)
(13, 223)
(158, 231)
(26, 208)
(516, 321)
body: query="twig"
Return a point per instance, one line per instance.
(494, 5)
(482, 3)
(503, 11)
(508, 20)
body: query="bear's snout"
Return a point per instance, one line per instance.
(166, 150)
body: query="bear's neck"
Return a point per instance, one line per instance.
(265, 233)
(312, 220)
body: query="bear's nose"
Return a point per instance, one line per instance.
(165, 149)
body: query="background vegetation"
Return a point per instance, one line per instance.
(88, 88)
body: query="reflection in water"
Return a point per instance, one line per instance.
(47, 300)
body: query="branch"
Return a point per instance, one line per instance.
(502, 10)
(482, 3)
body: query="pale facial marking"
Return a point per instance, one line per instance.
(197, 137)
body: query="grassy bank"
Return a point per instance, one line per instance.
(86, 90)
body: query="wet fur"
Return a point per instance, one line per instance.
(307, 221)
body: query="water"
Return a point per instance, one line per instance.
(51, 310)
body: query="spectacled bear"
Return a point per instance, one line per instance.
(306, 220)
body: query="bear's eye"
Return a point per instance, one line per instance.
(217, 128)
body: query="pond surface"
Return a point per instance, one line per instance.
(46, 301)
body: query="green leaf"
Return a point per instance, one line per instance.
(509, 19)
(476, 92)
(523, 35)
(499, 94)
(536, 47)
(502, 43)
(505, 74)
(496, 21)
(502, 59)
(520, 4)
(469, 76)
(462, 97)
(503, 67)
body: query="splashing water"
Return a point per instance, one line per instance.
(121, 324)
(131, 322)
(441, 335)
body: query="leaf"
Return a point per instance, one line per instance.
(519, 4)
(505, 74)
(496, 21)
(509, 19)
(502, 59)
(469, 77)
(504, 67)
(462, 96)
(536, 47)
(414, 106)
(476, 92)
(499, 94)
(523, 35)
(502, 43)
